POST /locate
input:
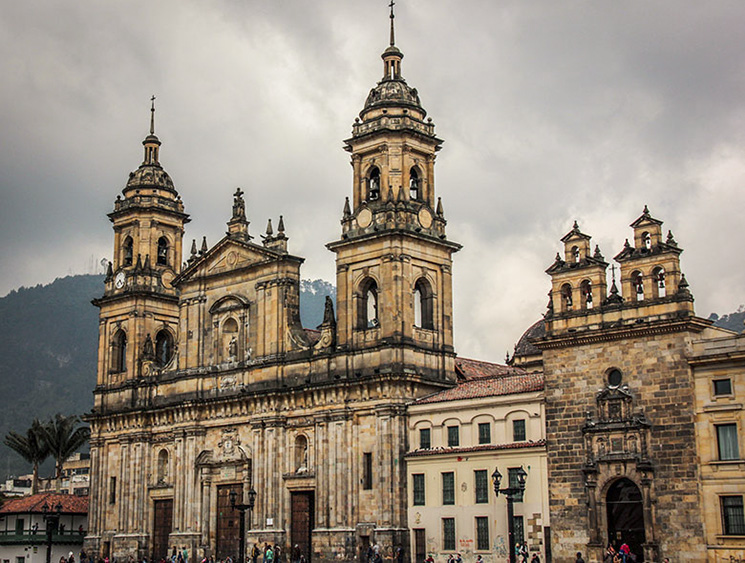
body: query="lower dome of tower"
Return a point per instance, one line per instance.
(149, 176)
(393, 92)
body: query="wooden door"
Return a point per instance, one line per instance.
(162, 527)
(420, 545)
(303, 511)
(228, 523)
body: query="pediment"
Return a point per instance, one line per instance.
(226, 256)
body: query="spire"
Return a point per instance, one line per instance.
(151, 142)
(393, 35)
(152, 115)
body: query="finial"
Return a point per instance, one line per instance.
(613, 273)
(393, 38)
(626, 244)
(439, 210)
(193, 247)
(269, 230)
(671, 239)
(347, 211)
(204, 245)
(152, 115)
(646, 210)
(281, 225)
(598, 255)
(576, 226)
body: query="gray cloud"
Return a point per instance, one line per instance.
(549, 111)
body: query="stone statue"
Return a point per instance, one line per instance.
(233, 349)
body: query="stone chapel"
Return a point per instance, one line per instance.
(208, 384)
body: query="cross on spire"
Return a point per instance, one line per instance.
(152, 115)
(393, 39)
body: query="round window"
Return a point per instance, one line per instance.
(614, 378)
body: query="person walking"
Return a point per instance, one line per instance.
(579, 558)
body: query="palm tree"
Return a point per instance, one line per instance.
(63, 439)
(32, 447)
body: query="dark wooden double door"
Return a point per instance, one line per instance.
(163, 524)
(302, 521)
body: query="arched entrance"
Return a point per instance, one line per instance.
(626, 516)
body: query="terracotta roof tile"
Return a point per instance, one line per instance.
(471, 369)
(71, 504)
(481, 448)
(488, 386)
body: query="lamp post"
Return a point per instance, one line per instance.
(51, 520)
(510, 493)
(242, 508)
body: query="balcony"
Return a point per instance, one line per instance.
(39, 537)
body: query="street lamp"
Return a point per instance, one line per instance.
(242, 508)
(51, 520)
(510, 493)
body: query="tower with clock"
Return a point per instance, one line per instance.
(139, 308)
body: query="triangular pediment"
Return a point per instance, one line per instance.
(227, 255)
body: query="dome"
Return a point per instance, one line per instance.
(524, 347)
(393, 92)
(150, 176)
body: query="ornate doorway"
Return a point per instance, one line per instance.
(303, 510)
(228, 523)
(162, 527)
(626, 516)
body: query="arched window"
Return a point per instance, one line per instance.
(127, 251)
(575, 255)
(301, 454)
(658, 275)
(373, 184)
(414, 185)
(163, 466)
(119, 352)
(367, 312)
(230, 339)
(566, 297)
(163, 347)
(646, 240)
(586, 291)
(637, 282)
(163, 251)
(423, 306)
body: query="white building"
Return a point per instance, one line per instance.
(493, 418)
(23, 537)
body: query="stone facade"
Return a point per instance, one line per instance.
(621, 400)
(208, 384)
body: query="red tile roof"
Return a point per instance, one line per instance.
(481, 448)
(489, 386)
(471, 369)
(71, 504)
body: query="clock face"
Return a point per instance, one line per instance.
(364, 218)
(119, 280)
(425, 218)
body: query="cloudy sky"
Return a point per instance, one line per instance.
(550, 112)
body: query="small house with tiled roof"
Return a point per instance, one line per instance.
(31, 525)
(493, 418)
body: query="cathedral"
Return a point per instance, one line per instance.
(219, 421)
(208, 384)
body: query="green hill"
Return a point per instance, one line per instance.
(48, 341)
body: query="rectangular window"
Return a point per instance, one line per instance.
(733, 520)
(519, 530)
(112, 490)
(482, 533)
(484, 433)
(448, 488)
(418, 487)
(20, 559)
(367, 468)
(425, 441)
(518, 430)
(727, 442)
(722, 386)
(514, 482)
(448, 534)
(453, 438)
(481, 486)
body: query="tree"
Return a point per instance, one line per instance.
(63, 439)
(32, 447)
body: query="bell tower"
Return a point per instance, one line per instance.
(394, 283)
(139, 308)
